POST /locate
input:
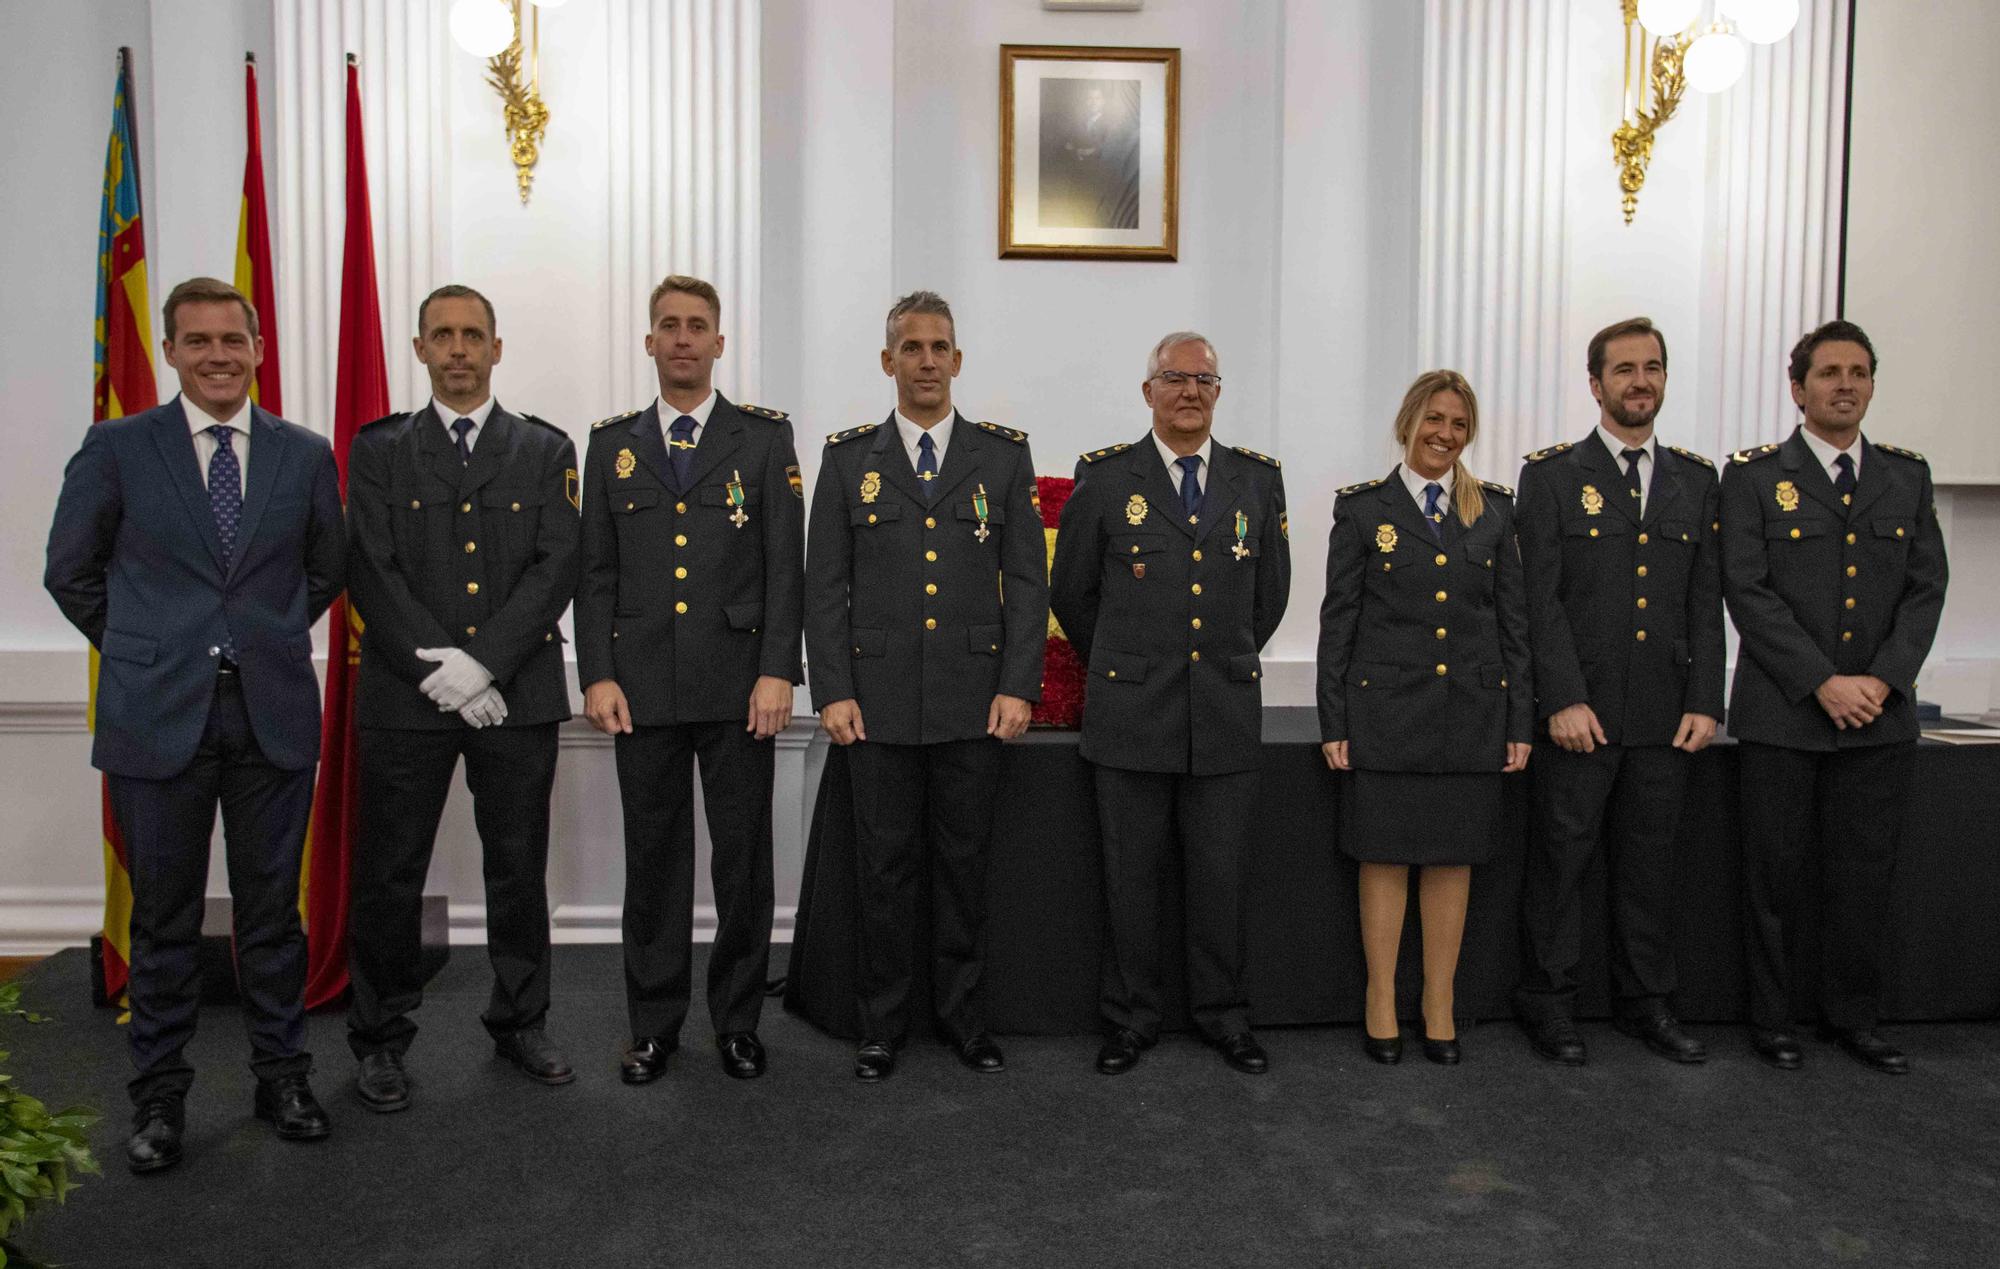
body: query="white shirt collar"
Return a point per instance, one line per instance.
(1618, 447)
(1826, 453)
(1172, 460)
(699, 414)
(1415, 483)
(478, 414)
(200, 420)
(940, 434)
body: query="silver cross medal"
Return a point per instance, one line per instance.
(737, 518)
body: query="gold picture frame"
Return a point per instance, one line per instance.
(1099, 175)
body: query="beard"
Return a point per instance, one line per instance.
(1633, 416)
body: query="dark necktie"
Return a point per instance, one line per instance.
(926, 463)
(1632, 457)
(1843, 480)
(225, 499)
(680, 451)
(1433, 515)
(1190, 484)
(462, 428)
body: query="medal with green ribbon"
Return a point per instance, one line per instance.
(738, 518)
(979, 509)
(1241, 551)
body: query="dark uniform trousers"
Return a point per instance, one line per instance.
(691, 592)
(925, 600)
(1170, 615)
(479, 555)
(1819, 585)
(167, 825)
(1625, 615)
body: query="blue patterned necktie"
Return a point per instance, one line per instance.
(1632, 457)
(225, 500)
(1190, 484)
(927, 463)
(680, 450)
(1843, 483)
(1433, 492)
(463, 428)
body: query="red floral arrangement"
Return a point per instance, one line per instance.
(1062, 673)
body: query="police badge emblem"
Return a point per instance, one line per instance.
(1593, 501)
(1135, 510)
(1787, 494)
(626, 464)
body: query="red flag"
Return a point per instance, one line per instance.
(123, 385)
(255, 277)
(361, 394)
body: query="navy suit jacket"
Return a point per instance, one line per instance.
(135, 564)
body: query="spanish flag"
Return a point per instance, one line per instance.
(255, 276)
(124, 385)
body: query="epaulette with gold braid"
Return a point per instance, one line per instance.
(1753, 453)
(1354, 489)
(764, 412)
(1550, 452)
(1691, 456)
(1262, 458)
(1106, 452)
(1900, 452)
(852, 432)
(1004, 433)
(1496, 487)
(616, 418)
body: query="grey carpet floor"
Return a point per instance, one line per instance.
(1327, 1160)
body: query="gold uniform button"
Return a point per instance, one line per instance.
(472, 630)
(681, 606)
(1849, 602)
(1850, 570)
(930, 522)
(1197, 623)
(1111, 674)
(1850, 539)
(871, 517)
(514, 506)
(1795, 534)
(1847, 636)
(550, 637)
(1715, 526)
(680, 539)
(1640, 636)
(930, 623)
(932, 556)
(1197, 554)
(1641, 570)
(416, 504)
(1440, 669)
(1196, 588)
(1899, 532)
(1440, 561)
(466, 506)
(1642, 539)
(857, 652)
(1440, 632)
(681, 573)
(1442, 596)
(680, 508)
(1642, 601)
(470, 547)
(630, 505)
(930, 588)
(472, 588)
(1135, 550)
(1195, 655)
(1593, 533)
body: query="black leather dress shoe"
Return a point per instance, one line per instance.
(289, 1104)
(874, 1061)
(157, 1125)
(979, 1053)
(1556, 1039)
(1778, 1048)
(1388, 1052)
(1120, 1052)
(646, 1060)
(1442, 1052)
(1663, 1035)
(537, 1056)
(382, 1084)
(1241, 1050)
(1869, 1049)
(742, 1054)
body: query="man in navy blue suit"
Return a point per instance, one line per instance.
(194, 545)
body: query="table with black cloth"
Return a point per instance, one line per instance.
(1044, 891)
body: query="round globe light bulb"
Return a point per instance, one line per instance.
(1715, 61)
(1666, 18)
(482, 27)
(1761, 21)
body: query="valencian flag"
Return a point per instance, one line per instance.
(255, 277)
(124, 385)
(361, 395)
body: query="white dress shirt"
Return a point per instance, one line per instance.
(699, 414)
(1618, 448)
(940, 434)
(1414, 482)
(1173, 462)
(1826, 453)
(449, 416)
(200, 420)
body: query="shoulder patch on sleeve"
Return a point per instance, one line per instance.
(616, 418)
(1550, 452)
(1900, 452)
(1494, 486)
(1262, 458)
(1691, 456)
(1355, 489)
(837, 438)
(1106, 452)
(1005, 433)
(1754, 453)
(764, 412)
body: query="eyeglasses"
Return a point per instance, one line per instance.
(1178, 379)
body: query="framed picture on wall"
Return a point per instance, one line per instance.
(1089, 152)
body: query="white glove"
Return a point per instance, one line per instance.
(457, 679)
(485, 709)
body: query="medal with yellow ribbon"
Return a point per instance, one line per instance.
(979, 509)
(735, 490)
(1240, 551)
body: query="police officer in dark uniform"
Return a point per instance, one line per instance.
(463, 530)
(687, 630)
(1835, 573)
(927, 617)
(1172, 570)
(1623, 564)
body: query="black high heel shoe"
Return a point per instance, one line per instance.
(1442, 1052)
(1388, 1052)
